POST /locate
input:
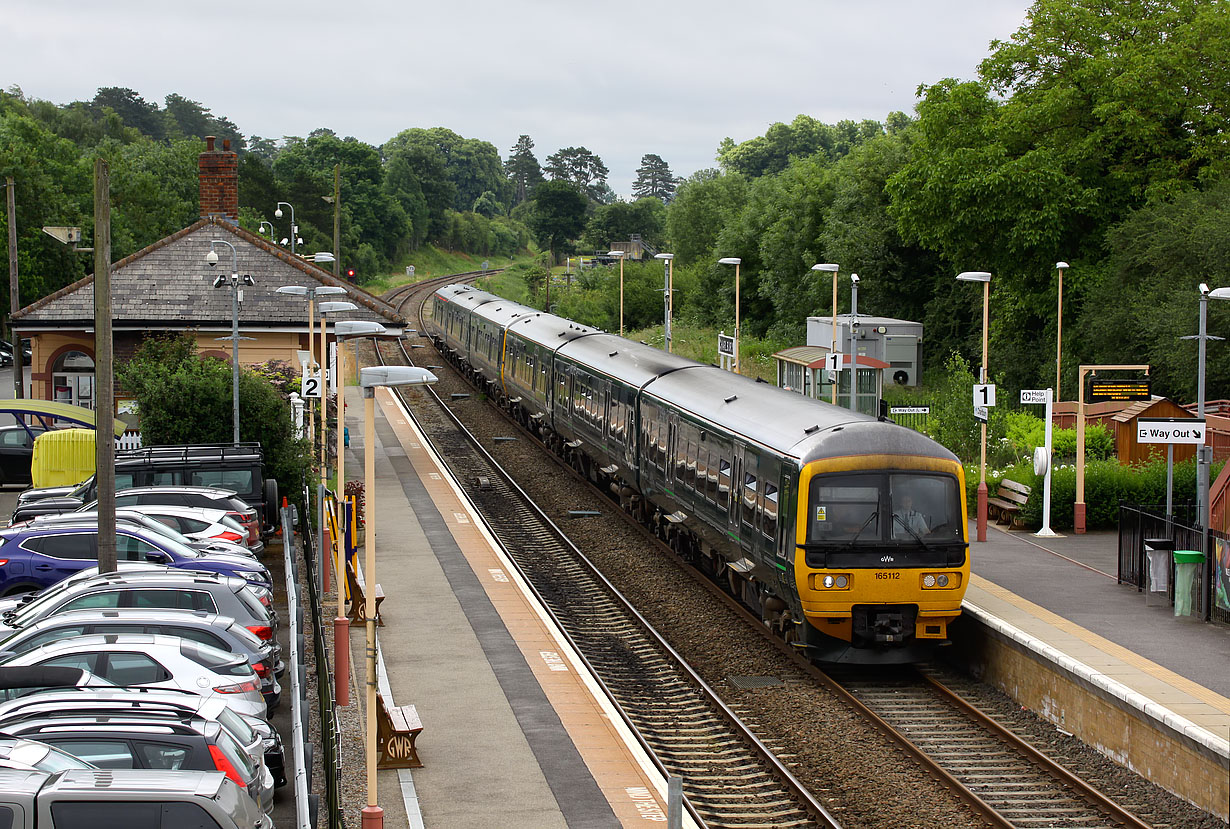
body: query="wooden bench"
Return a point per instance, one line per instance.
(1005, 507)
(397, 728)
(358, 596)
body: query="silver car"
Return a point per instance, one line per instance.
(18, 753)
(153, 661)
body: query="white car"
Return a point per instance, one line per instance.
(23, 755)
(155, 661)
(201, 524)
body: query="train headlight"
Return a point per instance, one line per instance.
(829, 581)
(942, 579)
(928, 580)
(842, 581)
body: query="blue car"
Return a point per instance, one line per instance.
(32, 558)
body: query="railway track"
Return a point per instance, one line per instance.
(730, 779)
(1003, 780)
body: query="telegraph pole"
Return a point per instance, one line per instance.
(19, 371)
(337, 221)
(104, 415)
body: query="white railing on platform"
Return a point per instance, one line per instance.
(297, 737)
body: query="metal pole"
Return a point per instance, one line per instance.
(621, 296)
(373, 815)
(341, 624)
(324, 407)
(1046, 531)
(853, 345)
(837, 379)
(982, 468)
(104, 434)
(674, 802)
(19, 371)
(737, 370)
(666, 300)
(670, 297)
(337, 220)
(1203, 451)
(1059, 340)
(311, 404)
(235, 357)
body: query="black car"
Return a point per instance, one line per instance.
(6, 348)
(16, 453)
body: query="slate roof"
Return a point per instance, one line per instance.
(169, 284)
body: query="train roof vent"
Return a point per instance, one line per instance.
(612, 354)
(811, 429)
(732, 398)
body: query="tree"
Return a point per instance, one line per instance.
(618, 222)
(703, 204)
(654, 179)
(522, 169)
(132, 108)
(471, 166)
(581, 168)
(184, 398)
(558, 216)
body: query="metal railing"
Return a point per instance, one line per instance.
(299, 737)
(1138, 522)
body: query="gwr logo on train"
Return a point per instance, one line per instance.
(846, 533)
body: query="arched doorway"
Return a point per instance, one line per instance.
(72, 379)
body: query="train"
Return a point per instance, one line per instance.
(846, 532)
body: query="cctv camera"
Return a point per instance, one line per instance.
(211, 258)
(219, 280)
(1204, 289)
(854, 278)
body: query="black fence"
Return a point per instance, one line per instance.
(1139, 522)
(331, 759)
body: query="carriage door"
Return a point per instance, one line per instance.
(746, 499)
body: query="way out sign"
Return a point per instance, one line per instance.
(1173, 430)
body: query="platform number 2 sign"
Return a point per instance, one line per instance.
(311, 383)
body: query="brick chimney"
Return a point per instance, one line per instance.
(219, 181)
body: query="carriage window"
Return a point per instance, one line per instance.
(690, 473)
(770, 510)
(723, 483)
(749, 499)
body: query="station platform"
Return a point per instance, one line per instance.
(516, 733)
(1146, 687)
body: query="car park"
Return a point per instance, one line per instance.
(254, 734)
(146, 586)
(154, 740)
(135, 517)
(17, 452)
(35, 557)
(32, 755)
(154, 661)
(210, 629)
(133, 799)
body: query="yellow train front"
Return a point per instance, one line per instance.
(882, 559)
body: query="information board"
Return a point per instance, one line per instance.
(1101, 391)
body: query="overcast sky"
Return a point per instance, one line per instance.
(672, 77)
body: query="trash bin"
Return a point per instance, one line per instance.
(1158, 556)
(1188, 579)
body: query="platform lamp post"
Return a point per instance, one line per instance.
(342, 331)
(829, 268)
(619, 254)
(985, 279)
(854, 280)
(236, 282)
(1204, 452)
(327, 308)
(668, 260)
(369, 379)
(269, 225)
(736, 261)
(1059, 266)
(294, 228)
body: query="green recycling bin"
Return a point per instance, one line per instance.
(1188, 567)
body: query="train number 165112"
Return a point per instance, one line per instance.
(891, 574)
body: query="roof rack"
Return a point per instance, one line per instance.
(191, 451)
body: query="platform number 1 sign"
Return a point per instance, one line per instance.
(984, 394)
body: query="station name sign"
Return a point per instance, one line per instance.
(1174, 430)
(1101, 391)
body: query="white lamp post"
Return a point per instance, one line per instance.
(344, 330)
(833, 270)
(619, 254)
(326, 308)
(736, 261)
(854, 280)
(668, 291)
(269, 225)
(294, 228)
(235, 281)
(1059, 266)
(369, 379)
(985, 279)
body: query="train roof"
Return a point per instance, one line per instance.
(784, 421)
(548, 330)
(503, 311)
(630, 362)
(467, 296)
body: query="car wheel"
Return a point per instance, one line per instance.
(18, 589)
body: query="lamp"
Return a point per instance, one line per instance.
(369, 379)
(619, 254)
(344, 330)
(736, 261)
(311, 294)
(294, 228)
(1059, 266)
(854, 280)
(236, 281)
(985, 279)
(264, 225)
(326, 308)
(833, 270)
(668, 273)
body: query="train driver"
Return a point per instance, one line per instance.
(908, 522)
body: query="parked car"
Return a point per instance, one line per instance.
(219, 632)
(33, 557)
(6, 347)
(17, 452)
(154, 661)
(137, 518)
(154, 740)
(254, 734)
(202, 524)
(134, 799)
(17, 682)
(31, 755)
(146, 586)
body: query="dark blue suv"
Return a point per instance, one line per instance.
(32, 558)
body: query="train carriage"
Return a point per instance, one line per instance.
(529, 380)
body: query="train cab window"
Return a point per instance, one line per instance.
(845, 508)
(924, 507)
(769, 528)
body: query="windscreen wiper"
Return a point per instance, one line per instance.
(874, 514)
(910, 530)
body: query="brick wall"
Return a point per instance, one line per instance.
(219, 171)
